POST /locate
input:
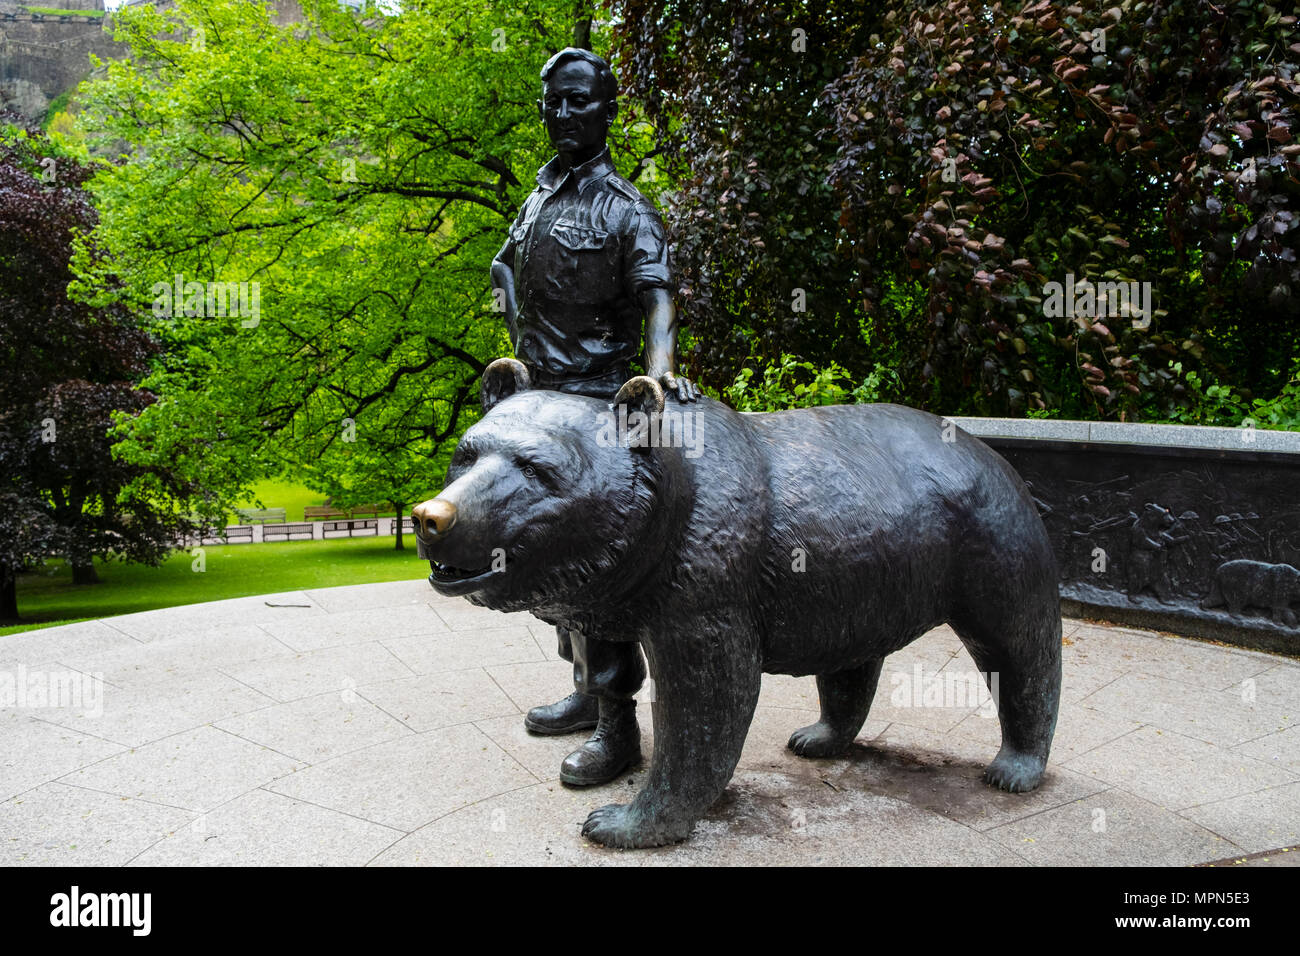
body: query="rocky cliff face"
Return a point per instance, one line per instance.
(42, 55)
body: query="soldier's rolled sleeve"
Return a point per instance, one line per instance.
(646, 259)
(507, 253)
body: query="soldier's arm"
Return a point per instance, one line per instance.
(503, 278)
(661, 342)
(503, 270)
(649, 276)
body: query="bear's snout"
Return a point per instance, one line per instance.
(434, 517)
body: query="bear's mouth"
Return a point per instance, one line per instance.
(446, 572)
(450, 579)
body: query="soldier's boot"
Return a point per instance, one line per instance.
(576, 712)
(615, 746)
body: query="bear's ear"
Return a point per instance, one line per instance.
(642, 394)
(637, 404)
(502, 379)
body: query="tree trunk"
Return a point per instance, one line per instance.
(582, 26)
(83, 572)
(398, 506)
(8, 595)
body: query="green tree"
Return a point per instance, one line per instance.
(353, 176)
(66, 369)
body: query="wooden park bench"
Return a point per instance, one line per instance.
(368, 511)
(322, 513)
(290, 531)
(238, 532)
(260, 515)
(349, 527)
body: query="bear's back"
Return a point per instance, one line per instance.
(823, 460)
(864, 502)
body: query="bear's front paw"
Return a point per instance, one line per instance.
(818, 740)
(1016, 772)
(619, 825)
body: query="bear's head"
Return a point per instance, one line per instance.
(547, 504)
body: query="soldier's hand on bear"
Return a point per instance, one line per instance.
(686, 390)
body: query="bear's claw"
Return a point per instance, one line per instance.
(817, 740)
(1018, 773)
(617, 825)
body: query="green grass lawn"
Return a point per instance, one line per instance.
(292, 497)
(57, 12)
(48, 596)
(281, 494)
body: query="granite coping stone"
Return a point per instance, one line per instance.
(1133, 433)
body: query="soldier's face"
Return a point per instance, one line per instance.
(575, 113)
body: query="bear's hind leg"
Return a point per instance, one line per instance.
(845, 701)
(1021, 661)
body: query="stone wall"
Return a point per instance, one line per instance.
(1172, 527)
(43, 55)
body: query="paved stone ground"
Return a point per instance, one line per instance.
(381, 724)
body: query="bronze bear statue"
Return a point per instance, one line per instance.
(807, 542)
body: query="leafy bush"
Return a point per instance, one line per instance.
(1210, 403)
(796, 384)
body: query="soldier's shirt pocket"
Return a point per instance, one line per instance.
(518, 232)
(578, 237)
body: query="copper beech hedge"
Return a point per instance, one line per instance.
(923, 171)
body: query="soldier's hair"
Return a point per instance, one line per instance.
(608, 85)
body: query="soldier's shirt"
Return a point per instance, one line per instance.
(584, 246)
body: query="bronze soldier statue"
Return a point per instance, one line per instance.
(585, 264)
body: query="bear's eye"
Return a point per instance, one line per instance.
(530, 471)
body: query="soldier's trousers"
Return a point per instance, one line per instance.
(611, 669)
